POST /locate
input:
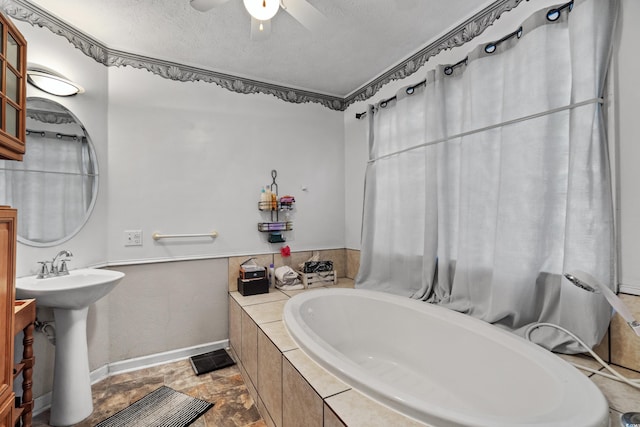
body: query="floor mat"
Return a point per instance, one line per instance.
(163, 407)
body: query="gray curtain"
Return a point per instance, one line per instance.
(492, 179)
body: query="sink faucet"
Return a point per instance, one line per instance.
(62, 270)
(55, 270)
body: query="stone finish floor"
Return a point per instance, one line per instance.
(233, 406)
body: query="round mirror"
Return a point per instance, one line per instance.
(54, 188)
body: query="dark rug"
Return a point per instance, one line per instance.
(163, 407)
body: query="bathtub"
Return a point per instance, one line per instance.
(437, 366)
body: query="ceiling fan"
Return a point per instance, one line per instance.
(262, 11)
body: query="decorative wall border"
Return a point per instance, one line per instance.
(25, 11)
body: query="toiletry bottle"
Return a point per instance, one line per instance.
(272, 275)
(268, 193)
(274, 201)
(264, 201)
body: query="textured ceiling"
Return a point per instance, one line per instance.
(361, 40)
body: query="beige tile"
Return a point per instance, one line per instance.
(235, 326)
(253, 392)
(277, 333)
(250, 347)
(324, 383)
(625, 345)
(267, 312)
(614, 418)
(353, 263)
(273, 295)
(301, 406)
(343, 282)
(339, 259)
(270, 377)
(582, 360)
(292, 261)
(331, 419)
(234, 267)
(296, 292)
(265, 414)
(602, 349)
(621, 397)
(357, 410)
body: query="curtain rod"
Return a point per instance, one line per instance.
(497, 125)
(552, 15)
(56, 135)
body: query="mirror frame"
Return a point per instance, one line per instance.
(96, 183)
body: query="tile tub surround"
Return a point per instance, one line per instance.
(291, 390)
(620, 346)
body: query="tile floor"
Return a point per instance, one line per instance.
(233, 406)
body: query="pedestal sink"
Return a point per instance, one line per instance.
(70, 297)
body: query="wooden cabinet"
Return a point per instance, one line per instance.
(5, 414)
(13, 91)
(7, 297)
(24, 320)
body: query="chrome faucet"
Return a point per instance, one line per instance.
(55, 270)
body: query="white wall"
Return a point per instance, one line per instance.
(89, 246)
(192, 157)
(627, 108)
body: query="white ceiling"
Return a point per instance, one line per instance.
(362, 39)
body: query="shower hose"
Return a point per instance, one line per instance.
(614, 375)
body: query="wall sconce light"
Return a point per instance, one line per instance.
(262, 10)
(52, 82)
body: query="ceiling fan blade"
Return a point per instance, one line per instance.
(204, 5)
(304, 13)
(258, 34)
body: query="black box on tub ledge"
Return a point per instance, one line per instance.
(248, 287)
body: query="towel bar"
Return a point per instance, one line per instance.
(158, 236)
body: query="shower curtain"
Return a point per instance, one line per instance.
(490, 180)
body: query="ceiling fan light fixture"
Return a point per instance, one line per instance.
(262, 10)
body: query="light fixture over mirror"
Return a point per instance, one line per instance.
(56, 186)
(51, 82)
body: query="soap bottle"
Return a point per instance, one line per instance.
(268, 198)
(264, 200)
(272, 275)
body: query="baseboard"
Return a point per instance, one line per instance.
(43, 402)
(629, 289)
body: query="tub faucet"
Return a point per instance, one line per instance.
(62, 270)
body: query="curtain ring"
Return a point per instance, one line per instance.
(490, 48)
(554, 14)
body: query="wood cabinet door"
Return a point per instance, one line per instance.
(6, 412)
(7, 297)
(13, 91)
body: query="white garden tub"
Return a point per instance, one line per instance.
(438, 366)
